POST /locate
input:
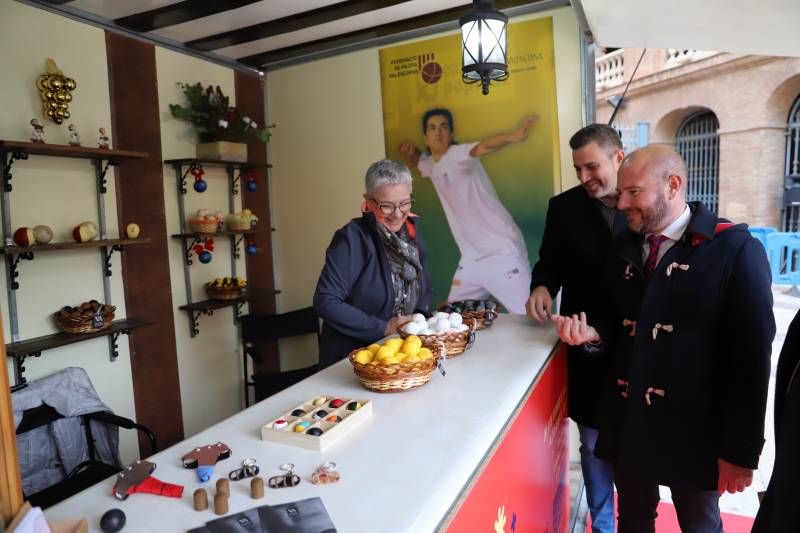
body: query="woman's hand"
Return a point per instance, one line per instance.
(395, 322)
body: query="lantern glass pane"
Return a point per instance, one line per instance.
(493, 37)
(470, 33)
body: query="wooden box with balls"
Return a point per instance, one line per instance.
(318, 423)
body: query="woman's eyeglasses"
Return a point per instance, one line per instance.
(388, 208)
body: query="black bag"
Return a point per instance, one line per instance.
(305, 516)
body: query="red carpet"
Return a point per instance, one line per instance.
(667, 521)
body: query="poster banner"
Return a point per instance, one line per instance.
(484, 165)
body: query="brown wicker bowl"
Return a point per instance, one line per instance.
(203, 226)
(484, 318)
(70, 320)
(225, 293)
(240, 225)
(455, 343)
(397, 377)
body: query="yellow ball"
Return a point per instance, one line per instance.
(400, 356)
(411, 358)
(374, 348)
(414, 338)
(390, 360)
(411, 348)
(425, 353)
(364, 357)
(384, 352)
(395, 343)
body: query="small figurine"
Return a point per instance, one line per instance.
(103, 142)
(37, 134)
(74, 140)
(203, 458)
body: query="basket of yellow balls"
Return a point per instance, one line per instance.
(396, 365)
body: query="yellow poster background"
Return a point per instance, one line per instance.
(522, 173)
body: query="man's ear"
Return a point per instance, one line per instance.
(674, 185)
(619, 155)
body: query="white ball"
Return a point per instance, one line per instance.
(455, 319)
(442, 325)
(432, 321)
(412, 328)
(418, 317)
(440, 314)
(462, 327)
(426, 331)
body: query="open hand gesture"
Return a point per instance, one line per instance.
(575, 330)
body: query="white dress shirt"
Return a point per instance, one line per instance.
(673, 233)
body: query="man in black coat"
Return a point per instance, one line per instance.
(691, 334)
(578, 230)
(778, 511)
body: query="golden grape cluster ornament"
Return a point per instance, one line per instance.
(56, 90)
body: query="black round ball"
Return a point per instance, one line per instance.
(314, 431)
(112, 520)
(298, 412)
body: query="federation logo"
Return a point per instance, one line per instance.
(430, 70)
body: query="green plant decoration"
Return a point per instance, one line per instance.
(213, 118)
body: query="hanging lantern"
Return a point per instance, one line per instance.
(483, 43)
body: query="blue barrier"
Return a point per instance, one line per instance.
(783, 251)
(760, 233)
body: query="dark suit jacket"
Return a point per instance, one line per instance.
(573, 257)
(354, 293)
(778, 512)
(713, 365)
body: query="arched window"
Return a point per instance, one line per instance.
(697, 141)
(791, 180)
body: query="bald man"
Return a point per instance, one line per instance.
(691, 334)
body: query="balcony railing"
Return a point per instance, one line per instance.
(677, 57)
(609, 70)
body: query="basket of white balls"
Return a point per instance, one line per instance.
(451, 329)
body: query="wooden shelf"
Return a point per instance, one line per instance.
(214, 162)
(39, 344)
(14, 249)
(65, 150)
(196, 235)
(210, 305)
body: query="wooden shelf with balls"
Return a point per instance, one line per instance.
(34, 347)
(66, 150)
(14, 249)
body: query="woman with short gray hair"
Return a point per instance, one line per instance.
(374, 275)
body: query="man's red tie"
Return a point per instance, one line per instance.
(654, 242)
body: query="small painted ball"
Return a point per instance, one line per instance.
(336, 403)
(314, 431)
(112, 521)
(205, 256)
(200, 185)
(298, 412)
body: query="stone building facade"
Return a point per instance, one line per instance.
(679, 93)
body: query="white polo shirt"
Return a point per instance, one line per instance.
(480, 223)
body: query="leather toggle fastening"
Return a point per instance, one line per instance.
(678, 266)
(628, 272)
(632, 323)
(666, 327)
(623, 387)
(651, 390)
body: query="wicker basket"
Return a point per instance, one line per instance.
(397, 377)
(224, 293)
(455, 343)
(70, 323)
(484, 318)
(240, 225)
(203, 226)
